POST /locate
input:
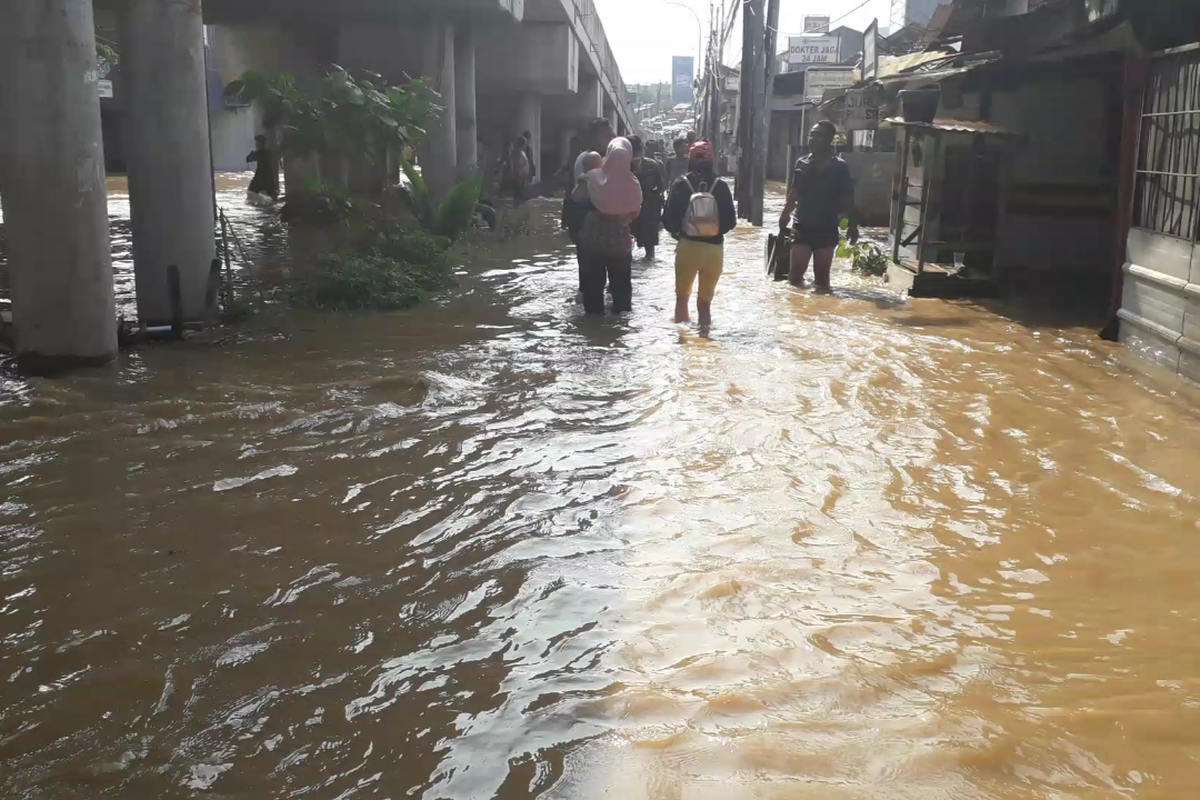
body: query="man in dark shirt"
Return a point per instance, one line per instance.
(266, 174)
(822, 191)
(677, 165)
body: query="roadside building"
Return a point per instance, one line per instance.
(1058, 162)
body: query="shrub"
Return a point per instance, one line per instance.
(357, 282)
(397, 268)
(413, 245)
(341, 112)
(453, 216)
(866, 257)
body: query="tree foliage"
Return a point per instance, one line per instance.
(344, 112)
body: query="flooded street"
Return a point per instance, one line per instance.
(261, 237)
(844, 548)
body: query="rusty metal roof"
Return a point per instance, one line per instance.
(952, 126)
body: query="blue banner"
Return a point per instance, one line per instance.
(683, 76)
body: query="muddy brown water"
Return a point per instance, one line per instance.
(260, 238)
(844, 547)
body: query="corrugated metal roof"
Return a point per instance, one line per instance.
(953, 126)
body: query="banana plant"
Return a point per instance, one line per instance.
(452, 216)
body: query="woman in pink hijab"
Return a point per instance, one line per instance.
(605, 246)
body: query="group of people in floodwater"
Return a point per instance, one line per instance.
(626, 196)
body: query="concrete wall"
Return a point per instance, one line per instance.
(920, 12)
(1160, 309)
(392, 50)
(533, 57)
(873, 175)
(233, 133)
(786, 129)
(238, 48)
(1061, 183)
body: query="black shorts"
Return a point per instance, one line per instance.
(815, 237)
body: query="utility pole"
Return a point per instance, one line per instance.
(762, 135)
(716, 83)
(752, 102)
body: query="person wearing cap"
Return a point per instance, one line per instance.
(698, 257)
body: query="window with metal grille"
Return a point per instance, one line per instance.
(1167, 196)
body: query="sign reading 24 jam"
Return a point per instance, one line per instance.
(812, 50)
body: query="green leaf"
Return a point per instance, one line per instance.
(455, 214)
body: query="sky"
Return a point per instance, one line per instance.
(644, 34)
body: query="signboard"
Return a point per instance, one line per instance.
(862, 110)
(104, 88)
(683, 78)
(871, 51)
(816, 24)
(818, 81)
(733, 83)
(813, 50)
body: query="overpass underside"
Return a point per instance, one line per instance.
(503, 67)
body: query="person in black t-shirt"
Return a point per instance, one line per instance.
(266, 173)
(822, 191)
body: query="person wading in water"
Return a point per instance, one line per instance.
(699, 213)
(517, 170)
(822, 191)
(652, 177)
(529, 155)
(576, 204)
(578, 207)
(266, 173)
(677, 165)
(605, 250)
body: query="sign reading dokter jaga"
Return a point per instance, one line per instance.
(813, 50)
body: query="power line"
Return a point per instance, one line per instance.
(832, 22)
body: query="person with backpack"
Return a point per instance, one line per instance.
(699, 213)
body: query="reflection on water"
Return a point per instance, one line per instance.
(257, 228)
(846, 547)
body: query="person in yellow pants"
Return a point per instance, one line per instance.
(699, 213)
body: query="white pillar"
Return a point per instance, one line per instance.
(565, 154)
(170, 172)
(590, 99)
(529, 118)
(52, 177)
(464, 101)
(439, 152)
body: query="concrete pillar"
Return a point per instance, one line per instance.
(610, 112)
(566, 153)
(529, 118)
(170, 172)
(464, 101)
(591, 98)
(52, 176)
(439, 152)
